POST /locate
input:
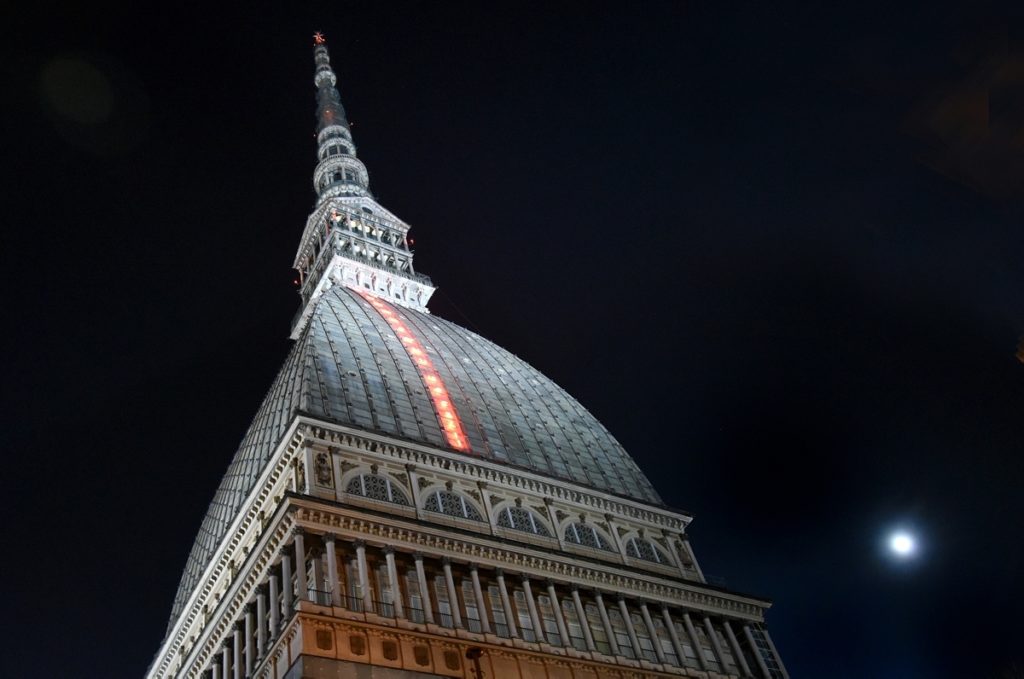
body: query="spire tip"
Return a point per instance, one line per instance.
(318, 38)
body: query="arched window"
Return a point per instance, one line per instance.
(452, 504)
(376, 487)
(518, 518)
(586, 535)
(644, 549)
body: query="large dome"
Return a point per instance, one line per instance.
(349, 367)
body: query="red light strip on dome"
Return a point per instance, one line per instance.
(451, 425)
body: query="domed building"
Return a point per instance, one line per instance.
(412, 500)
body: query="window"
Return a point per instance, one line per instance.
(597, 629)
(645, 550)
(764, 649)
(498, 619)
(350, 176)
(473, 619)
(572, 625)
(523, 613)
(518, 518)
(644, 637)
(376, 487)
(586, 535)
(444, 603)
(663, 638)
(415, 608)
(684, 638)
(621, 634)
(388, 592)
(547, 620)
(451, 504)
(708, 650)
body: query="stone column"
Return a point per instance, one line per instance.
(250, 657)
(261, 622)
(302, 584)
(453, 594)
(693, 559)
(606, 621)
(548, 502)
(628, 619)
(333, 581)
(775, 651)
(421, 579)
(485, 500)
(287, 588)
(673, 635)
(581, 613)
(532, 606)
(737, 652)
(225, 662)
(275, 607)
(506, 605)
(414, 485)
(678, 550)
(236, 659)
(695, 642)
(653, 634)
(396, 587)
(364, 581)
(556, 607)
(610, 518)
(710, 629)
(481, 603)
(215, 671)
(757, 653)
(318, 579)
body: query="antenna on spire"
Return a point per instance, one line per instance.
(318, 38)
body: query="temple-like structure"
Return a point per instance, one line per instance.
(412, 500)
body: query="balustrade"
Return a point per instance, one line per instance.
(482, 605)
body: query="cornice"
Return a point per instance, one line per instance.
(379, 530)
(478, 469)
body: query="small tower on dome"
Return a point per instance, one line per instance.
(349, 239)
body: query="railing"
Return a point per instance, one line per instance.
(384, 608)
(415, 615)
(502, 630)
(321, 597)
(445, 620)
(352, 603)
(474, 625)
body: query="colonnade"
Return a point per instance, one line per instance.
(441, 593)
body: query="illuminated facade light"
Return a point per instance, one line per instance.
(449, 420)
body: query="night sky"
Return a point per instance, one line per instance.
(777, 252)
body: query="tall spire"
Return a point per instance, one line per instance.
(350, 239)
(339, 172)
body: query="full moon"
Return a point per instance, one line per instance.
(902, 544)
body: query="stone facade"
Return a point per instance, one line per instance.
(351, 551)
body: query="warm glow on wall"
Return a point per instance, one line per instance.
(448, 418)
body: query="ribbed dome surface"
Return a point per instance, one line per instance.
(349, 367)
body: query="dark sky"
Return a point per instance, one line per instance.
(778, 252)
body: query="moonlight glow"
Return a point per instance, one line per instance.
(902, 544)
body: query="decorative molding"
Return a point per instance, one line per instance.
(472, 548)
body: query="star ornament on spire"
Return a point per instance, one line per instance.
(318, 38)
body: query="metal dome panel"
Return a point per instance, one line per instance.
(349, 367)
